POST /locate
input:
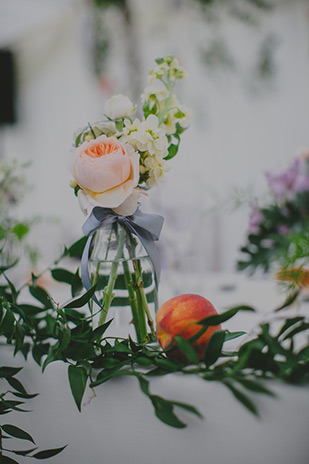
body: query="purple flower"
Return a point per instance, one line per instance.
(267, 243)
(283, 229)
(286, 184)
(255, 219)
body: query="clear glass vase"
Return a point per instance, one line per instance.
(126, 285)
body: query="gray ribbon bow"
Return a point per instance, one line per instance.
(146, 227)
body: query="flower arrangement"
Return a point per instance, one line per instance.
(278, 231)
(118, 159)
(113, 163)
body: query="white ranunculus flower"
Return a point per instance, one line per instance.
(118, 106)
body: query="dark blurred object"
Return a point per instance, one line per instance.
(7, 88)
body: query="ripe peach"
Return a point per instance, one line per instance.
(179, 316)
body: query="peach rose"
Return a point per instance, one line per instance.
(107, 172)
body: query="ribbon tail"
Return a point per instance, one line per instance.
(152, 252)
(84, 270)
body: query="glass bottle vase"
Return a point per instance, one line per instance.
(126, 284)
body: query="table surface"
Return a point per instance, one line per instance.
(118, 425)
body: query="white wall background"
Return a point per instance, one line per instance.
(234, 137)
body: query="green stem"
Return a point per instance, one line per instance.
(94, 280)
(108, 294)
(169, 88)
(143, 304)
(143, 300)
(138, 315)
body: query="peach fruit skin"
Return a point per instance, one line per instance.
(178, 316)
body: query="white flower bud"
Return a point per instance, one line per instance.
(118, 106)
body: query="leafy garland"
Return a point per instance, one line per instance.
(51, 332)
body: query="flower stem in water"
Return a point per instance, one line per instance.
(108, 294)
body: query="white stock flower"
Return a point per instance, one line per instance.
(168, 65)
(156, 166)
(118, 106)
(181, 114)
(146, 135)
(158, 72)
(155, 92)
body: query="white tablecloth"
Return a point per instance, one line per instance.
(118, 426)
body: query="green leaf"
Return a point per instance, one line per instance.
(62, 275)
(7, 322)
(143, 361)
(218, 319)
(77, 248)
(24, 395)
(45, 454)
(78, 139)
(119, 125)
(38, 351)
(78, 381)
(79, 302)
(18, 386)
(289, 323)
(6, 371)
(24, 452)
(107, 374)
(12, 288)
(41, 295)
(7, 460)
(172, 151)
(159, 60)
(51, 357)
(144, 384)
(9, 266)
(77, 285)
(232, 335)
(254, 386)
(110, 363)
(65, 339)
(16, 432)
(19, 337)
(31, 310)
(164, 412)
(301, 328)
(187, 349)
(242, 398)
(99, 331)
(8, 405)
(214, 347)
(188, 407)
(20, 230)
(134, 347)
(179, 128)
(290, 300)
(166, 364)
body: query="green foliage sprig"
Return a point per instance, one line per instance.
(9, 402)
(51, 332)
(13, 231)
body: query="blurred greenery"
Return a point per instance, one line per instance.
(217, 53)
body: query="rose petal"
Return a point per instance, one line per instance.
(129, 206)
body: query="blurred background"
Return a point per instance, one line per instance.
(247, 84)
